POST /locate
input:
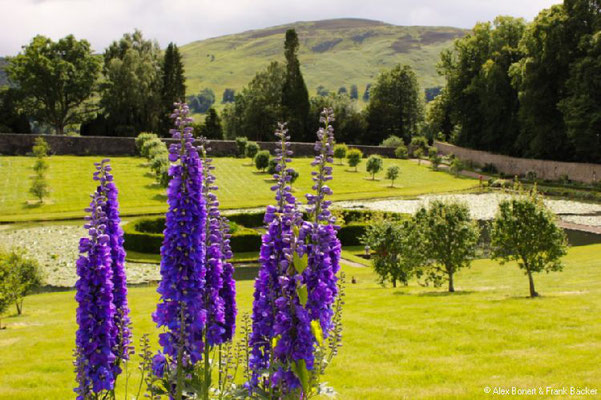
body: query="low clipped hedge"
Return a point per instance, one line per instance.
(145, 235)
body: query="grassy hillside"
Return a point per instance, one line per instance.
(333, 53)
(406, 343)
(70, 180)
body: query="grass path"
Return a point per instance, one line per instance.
(241, 186)
(406, 343)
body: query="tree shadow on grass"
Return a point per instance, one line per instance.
(445, 294)
(160, 197)
(29, 205)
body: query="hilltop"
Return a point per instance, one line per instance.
(333, 53)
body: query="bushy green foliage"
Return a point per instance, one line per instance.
(57, 79)
(392, 141)
(526, 231)
(450, 239)
(395, 105)
(419, 142)
(374, 165)
(12, 117)
(340, 152)
(392, 173)
(149, 145)
(262, 160)
(353, 158)
(398, 249)
(19, 276)
(350, 125)
(252, 148)
(131, 89)
(401, 152)
(143, 138)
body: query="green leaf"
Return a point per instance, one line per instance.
(317, 331)
(300, 370)
(303, 294)
(300, 263)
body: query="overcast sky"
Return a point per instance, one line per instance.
(183, 21)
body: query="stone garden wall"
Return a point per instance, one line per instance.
(544, 169)
(21, 144)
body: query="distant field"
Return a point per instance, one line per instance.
(241, 186)
(406, 343)
(333, 53)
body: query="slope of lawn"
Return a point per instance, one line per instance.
(241, 185)
(405, 343)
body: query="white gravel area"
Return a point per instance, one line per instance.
(483, 206)
(56, 249)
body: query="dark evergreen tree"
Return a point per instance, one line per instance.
(12, 118)
(366, 93)
(295, 97)
(354, 93)
(173, 85)
(211, 128)
(229, 95)
(342, 90)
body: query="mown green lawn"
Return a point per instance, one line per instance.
(406, 343)
(241, 186)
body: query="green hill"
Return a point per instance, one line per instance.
(333, 53)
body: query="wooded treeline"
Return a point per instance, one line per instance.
(527, 90)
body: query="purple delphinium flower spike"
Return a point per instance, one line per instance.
(115, 233)
(281, 335)
(181, 308)
(220, 286)
(102, 339)
(323, 246)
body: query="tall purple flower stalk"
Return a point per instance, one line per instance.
(297, 284)
(220, 290)
(281, 338)
(181, 310)
(323, 246)
(103, 337)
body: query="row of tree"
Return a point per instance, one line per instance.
(528, 90)
(437, 241)
(279, 93)
(128, 89)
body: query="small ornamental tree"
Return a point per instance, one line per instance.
(456, 166)
(39, 185)
(353, 158)
(374, 165)
(143, 138)
(103, 337)
(241, 142)
(450, 239)
(20, 275)
(340, 151)
(435, 161)
(398, 249)
(262, 160)
(252, 148)
(392, 173)
(401, 152)
(419, 154)
(526, 231)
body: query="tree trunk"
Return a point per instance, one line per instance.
(394, 283)
(451, 286)
(531, 281)
(19, 305)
